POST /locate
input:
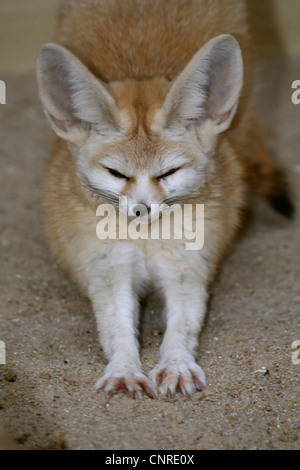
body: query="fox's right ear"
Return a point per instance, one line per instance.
(74, 99)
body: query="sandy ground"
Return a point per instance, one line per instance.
(47, 396)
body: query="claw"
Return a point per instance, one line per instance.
(184, 376)
(186, 394)
(151, 393)
(109, 397)
(198, 384)
(132, 386)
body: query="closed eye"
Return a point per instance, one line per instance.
(116, 174)
(168, 173)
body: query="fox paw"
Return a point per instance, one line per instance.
(134, 384)
(184, 375)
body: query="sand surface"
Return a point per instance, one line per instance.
(47, 396)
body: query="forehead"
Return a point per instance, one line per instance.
(138, 151)
(139, 100)
(140, 146)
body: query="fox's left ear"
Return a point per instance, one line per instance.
(208, 89)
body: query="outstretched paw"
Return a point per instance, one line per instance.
(184, 375)
(134, 384)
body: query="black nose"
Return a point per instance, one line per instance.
(140, 210)
(147, 209)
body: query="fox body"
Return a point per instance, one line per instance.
(151, 100)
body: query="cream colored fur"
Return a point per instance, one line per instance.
(140, 88)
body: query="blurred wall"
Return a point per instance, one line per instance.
(26, 24)
(276, 27)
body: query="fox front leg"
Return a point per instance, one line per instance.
(114, 287)
(186, 298)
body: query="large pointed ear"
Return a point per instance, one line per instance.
(208, 89)
(74, 99)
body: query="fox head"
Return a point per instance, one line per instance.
(150, 141)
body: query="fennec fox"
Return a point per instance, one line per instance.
(151, 101)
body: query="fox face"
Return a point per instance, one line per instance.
(146, 171)
(148, 142)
